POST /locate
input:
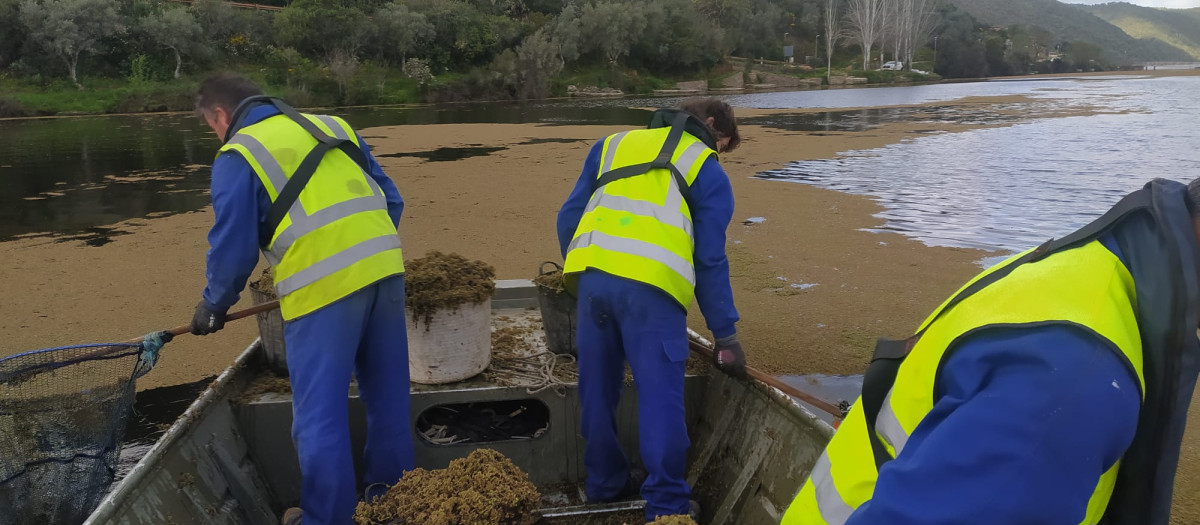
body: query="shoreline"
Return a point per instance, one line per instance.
(716, 93)
(65, 292)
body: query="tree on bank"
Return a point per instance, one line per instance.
(323, 27)
(399, 31)
(68, 28)
(833, 33)
(866, 24)
(176, 29)
(612, 27)
(914, 22)
(12, 32)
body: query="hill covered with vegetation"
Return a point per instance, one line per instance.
(97, 56)
(1069, 22)
(1166, 25)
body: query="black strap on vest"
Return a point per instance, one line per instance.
(889, 354)
(663, 161)
(299, 180)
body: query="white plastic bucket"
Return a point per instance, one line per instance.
(453, 346)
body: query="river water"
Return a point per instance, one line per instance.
(1001, 188)
(998, 188)
(1012, 187)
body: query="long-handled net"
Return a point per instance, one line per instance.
(63, 413)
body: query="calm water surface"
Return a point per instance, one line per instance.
(1001, 188)
(1009, 188)
(70, 177)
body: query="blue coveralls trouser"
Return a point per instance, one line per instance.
(366, 333)
(621, 320)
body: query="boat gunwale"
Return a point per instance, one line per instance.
(219, 390)
(213, 394)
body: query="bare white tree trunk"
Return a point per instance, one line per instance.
(866, 18)
(833, 33)
(178, 61)
(922, 19)
(903, 19)
(72, 60)
(895, 23)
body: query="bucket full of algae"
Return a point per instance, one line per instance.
(449, 303)
(270, 323)
(557, 309)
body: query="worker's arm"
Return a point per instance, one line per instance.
(395, 203)
(240, 204)
(572, 209)
(712, 209)
(1023, 425)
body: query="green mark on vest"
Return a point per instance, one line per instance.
(626, 221)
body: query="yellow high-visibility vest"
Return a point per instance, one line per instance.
(640, 227)
(337, 238)
(1086, 287)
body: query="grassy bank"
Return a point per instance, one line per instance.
(29, 97)
(368, 84)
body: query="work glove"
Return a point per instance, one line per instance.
(729, 356)
(207, 321)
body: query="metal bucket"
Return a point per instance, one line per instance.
(270, 329)
(558, 315)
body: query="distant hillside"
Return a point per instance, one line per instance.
(1167, 25)
(1069, 22)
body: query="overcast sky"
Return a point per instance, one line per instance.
(1148, 3)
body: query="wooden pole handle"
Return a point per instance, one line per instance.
(253, 310)
(790, 390)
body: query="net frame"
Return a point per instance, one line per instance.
(63, 414)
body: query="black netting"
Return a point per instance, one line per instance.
(62, 415)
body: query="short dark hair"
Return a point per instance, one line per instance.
(225, 91)
(724, 125)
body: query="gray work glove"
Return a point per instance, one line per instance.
(207, 321)
(729, 356)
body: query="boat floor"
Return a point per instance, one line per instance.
(230, 459)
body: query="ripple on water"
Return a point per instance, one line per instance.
(1009, 188)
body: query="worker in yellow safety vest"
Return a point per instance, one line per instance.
(642, 233)
(1051, 389)
(305, 190)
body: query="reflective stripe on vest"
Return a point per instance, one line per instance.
(1085, 287)
(640, 227)
(337, 237)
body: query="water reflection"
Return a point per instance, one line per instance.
(1009, 188)
(68, 177)
(72, 178)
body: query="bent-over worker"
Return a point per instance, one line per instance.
(305, 190)
(642, 233)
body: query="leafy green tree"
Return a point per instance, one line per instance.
(68, 28)
(566, 32)
(322, 26)
(760, 31)
(399, 31)
(537, 61)
(12, 32)
(1083, 55)
(679, 39)
(612, 27)
(174, 28)
(724, 13)
(216, 18)
(464, 35)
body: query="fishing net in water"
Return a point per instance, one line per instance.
(63, 413)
